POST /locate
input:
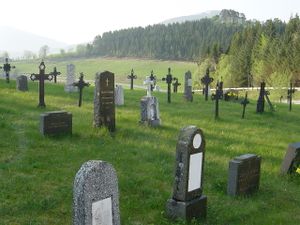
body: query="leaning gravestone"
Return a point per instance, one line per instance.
(104, 101)
(70, 79)
(55, 123)
(187, 201)
(291, 162)
(149, 107)
(96, 195)
(244, 174)
(188, 94)
(22, 83)
(119, 95)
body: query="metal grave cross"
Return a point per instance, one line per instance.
(131, 77)
(244, 103)
(206, 80)
(7, 67)
(41, 77)
(153, 79)
(175, 85)
(290, 93)
(81, 84)
(55, 73)
(149, 84)
(168, 80)
(260, 107)
(217, 97)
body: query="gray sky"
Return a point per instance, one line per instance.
(75, 21)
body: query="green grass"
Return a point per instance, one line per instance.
(37, 172)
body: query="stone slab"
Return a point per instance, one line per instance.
(56, 123)
(22, 83)
(291, 159)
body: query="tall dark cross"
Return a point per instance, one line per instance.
(41, 77)
(244, 103)
(168, 80)
(7, 67)
(131, 77)
(216, 97)
(267, 93)
(175, 85)
(260, 107)
(81, 84)
(152, 78)
(55, 73)
(291, 91)
(206, 80)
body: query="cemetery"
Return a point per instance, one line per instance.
(132, 156)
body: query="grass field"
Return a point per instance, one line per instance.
(37, 172)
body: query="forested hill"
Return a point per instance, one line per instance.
(185, 41)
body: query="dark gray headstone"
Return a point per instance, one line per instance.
(56, 122)
(104, 101)
(96, 195)
(291, 161)
(22, 83)
(187, 201)
(244, 174)
(188, 93)
(150, 111)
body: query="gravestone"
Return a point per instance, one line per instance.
(188, 201)
(244, 174)
(260, 107)
(96, 195)
(22, 83)
(206, 80)
(55, 73)
(70, 79)
(119, 95)
(169, 80)
(56, 123)
(81, 84)
(291, 161)
(175, 85)
(188, 93)
(290, 93)
(244, 103)
(104, 101)
(149, 107)
(153, 79)
(131, 77)
(216, 97)
(6, 68)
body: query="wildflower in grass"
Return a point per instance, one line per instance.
(298, 170)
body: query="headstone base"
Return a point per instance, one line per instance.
(195, 208)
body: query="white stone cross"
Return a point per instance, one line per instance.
(148, 82)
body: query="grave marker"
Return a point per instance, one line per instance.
(131, 77)
(188, 93)
(80, 85)
(244, 175)
(70, 79)
(104, 101)
(168, 80)
(6, 68)
(119, 95)
(55, 123)
(206, 80)
(291, 161)
(244, 103)
(216, 97)
(55, 73)
(22, 83)
(187, 201)
(290, 93)
(175, 85)
(153, 79)
(96, 195)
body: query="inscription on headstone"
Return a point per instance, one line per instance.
(96, 195)
(244, 174)
(291, 161)
(56, 122)
(104, 101)
(187, 201)
(22, 83)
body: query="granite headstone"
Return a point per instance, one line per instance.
(188, 93)
(119, 95)
(22, 83)
(291, 161)
(56, 123)
(70, 79)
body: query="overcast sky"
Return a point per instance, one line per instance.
(76, 21)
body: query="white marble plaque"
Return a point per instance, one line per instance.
(102, 212)
(190, 82)
(197, 141)
(195, 171)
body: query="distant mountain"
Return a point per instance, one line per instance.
(15, 42)
(207, 14)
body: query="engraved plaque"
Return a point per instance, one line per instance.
(195, 171)
(197, 141)
(102, 212)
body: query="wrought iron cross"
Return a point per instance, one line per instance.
(131, 77)
(217, 97)
(244, 103)
(81, 84)
(55, 73)
(175, 85)
(291, 91)
(41, 77)
(206, 80)
(169, 80)
(7, 67)
(153, 79)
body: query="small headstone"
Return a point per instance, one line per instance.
(70, 79)
(244, 174)
(187, 201)
(104, 101)
(188, 94)
(149, 107)
(291, 161)
(96, 195)
(22, 83)
(55, 123)
(119, 95)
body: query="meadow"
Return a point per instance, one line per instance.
(37, 172)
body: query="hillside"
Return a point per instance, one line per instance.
(181, 19)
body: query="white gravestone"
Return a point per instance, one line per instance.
(119, 95)
(70, 79)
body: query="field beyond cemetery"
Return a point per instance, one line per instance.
(37, 172)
